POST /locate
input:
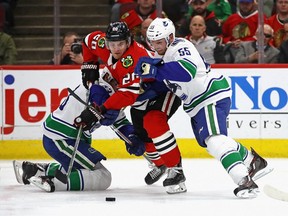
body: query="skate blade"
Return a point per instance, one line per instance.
(262, 173)
(248, 194)
(37, 181)
(17, 167)
(174, 189)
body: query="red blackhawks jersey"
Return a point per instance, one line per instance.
(122, 70)
(239, 27)
(134, 19)
(278, 28)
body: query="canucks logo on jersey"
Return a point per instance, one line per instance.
(173, 87)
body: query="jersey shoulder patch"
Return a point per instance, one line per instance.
(101, 42)
(176, 41)
(125, 15)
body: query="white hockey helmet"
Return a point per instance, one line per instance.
(161, 28)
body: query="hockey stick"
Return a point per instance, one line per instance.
(58, 174)
(100, 116)
(275, 193)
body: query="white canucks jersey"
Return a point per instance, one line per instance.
(60, 123)
(188, 76)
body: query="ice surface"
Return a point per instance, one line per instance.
(210, 192)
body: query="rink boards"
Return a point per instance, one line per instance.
(115, 148)
(258, 118)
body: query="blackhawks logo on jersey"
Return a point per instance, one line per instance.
(101, 42)
(125, 15)
(127, 62)
(241, 30)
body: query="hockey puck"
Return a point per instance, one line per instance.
(110, 199)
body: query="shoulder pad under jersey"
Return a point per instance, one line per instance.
(176, 41)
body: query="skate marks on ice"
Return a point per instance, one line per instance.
(209, 191)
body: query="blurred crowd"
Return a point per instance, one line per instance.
(223, 31)
(8, 52)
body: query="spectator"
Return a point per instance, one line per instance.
(277, 21)
(144, 26)
(145, 9)
(283, 54)
(7, 11)
(209, 47)
(268, 7)
(2, 17)
(8, 52)
(67, 56)
(175, 9)
(119, 6)
(240, 26)
(248, 51)
(200, 8)
(233, 5)
(221, 8)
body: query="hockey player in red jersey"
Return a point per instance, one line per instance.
(120, 53)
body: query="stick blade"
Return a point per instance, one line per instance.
(17, 166)
(275, 193)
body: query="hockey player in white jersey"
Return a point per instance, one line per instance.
(206, 99)
(59, 135)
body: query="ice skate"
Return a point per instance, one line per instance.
(247, 189)
(155, 174)
(258, 166)
(175, 181)
(25, 170)
(43, 182)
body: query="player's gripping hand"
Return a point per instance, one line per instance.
(137, 146)
(147, 92)
(147, 67)
(90, 73)
(87, 119)
(108, 116)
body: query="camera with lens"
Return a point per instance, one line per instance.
(76, 47)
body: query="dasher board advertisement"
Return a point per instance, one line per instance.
(259, 102)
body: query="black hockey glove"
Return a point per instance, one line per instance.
(137, 146)
(90, 73)
(87, 119)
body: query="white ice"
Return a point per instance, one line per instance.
(210, 192)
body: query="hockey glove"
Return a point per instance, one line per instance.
(137, 146)
(90, 73)
(87, 119)
(109, 116)
(151, 90)
(147, 67)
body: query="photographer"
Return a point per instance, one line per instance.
(71, 52)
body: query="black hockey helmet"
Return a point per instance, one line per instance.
(118, 31)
